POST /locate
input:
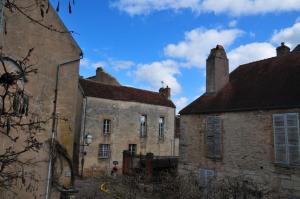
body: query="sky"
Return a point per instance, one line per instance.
(148, 44)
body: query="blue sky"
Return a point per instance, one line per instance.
(145, 42)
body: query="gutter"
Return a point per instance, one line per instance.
(54, 123)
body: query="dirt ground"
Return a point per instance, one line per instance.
(108, 187)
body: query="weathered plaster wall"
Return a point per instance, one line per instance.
(248, 149)
(125, 117)
(50, 49)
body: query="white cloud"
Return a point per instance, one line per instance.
(288, 35)
(137, 7)
(156, 72)
(84, 62)
(98, 64)
(181, 103)
(197, 43)
(115, 64)
(231, 7)
(232, 23)
(121, 64)
(249, 53)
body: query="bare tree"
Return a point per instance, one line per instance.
(18, 125)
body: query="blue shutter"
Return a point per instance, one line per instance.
(1, 13)
(293, 138)
(280, 138)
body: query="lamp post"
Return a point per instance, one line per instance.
(86, 142)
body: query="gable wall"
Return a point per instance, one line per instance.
(50, 49)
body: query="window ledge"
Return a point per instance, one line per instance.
(286, 166)
(216, 159)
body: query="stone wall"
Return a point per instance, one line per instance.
(247, 145)
(125, 117)
(50, 49)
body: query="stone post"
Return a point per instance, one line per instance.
(149, 166)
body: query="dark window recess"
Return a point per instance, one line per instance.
(132, 149)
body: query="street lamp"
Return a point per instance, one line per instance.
(88, 140)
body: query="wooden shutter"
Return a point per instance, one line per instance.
(1, 14)
(280, 138)
(292, 127)
(214, 137)
(202, 177)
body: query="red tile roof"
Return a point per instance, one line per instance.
(123, 93)
(272, 83)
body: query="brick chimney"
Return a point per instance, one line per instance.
(282, 50)
(217, 70)
(166, 92)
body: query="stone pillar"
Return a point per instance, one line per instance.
(149, 166)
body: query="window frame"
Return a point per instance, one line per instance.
(104, 151)
(161, 128)
(130, 147)
(106, 127)
(287, 144)
(143, 126)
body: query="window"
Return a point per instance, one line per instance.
(104, 151)
(106, 126)
(213, 137)
(143, 126)
(161, 126)
(286, 138)
(205, 176)
(132, 149)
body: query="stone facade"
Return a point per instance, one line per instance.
(50, 50)
(125, 130)
(247, 149)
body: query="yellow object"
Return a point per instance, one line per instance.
(104, 188)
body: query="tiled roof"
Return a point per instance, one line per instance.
(123, 93)
(272, 83)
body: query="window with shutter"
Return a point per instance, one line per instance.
(214, 137)
(286, 138)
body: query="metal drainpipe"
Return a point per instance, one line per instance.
(83, 134)
(48, 187)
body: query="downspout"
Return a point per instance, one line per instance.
(83, 133)
(49, 178)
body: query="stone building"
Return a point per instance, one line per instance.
(123, 118)
(247, 122)
(56, 57)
